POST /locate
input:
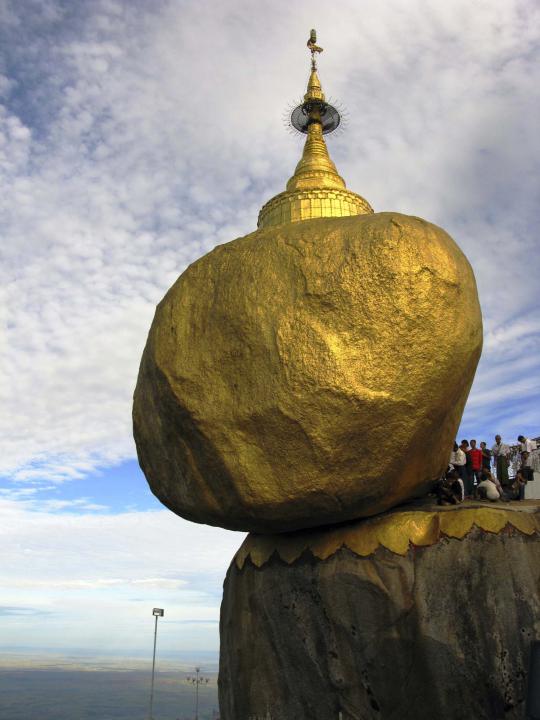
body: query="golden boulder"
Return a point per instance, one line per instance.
(309, 373)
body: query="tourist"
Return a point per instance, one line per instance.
(527, 446)
(487, 475)
(476, 461)
(533, 460)
(524, 459)
(486, 456)
(526, 467)
(501, 454)
(458, 460)
(468, 479)
(518, 486)
(449, 489)
(487, 489)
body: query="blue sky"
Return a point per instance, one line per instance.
(136, 136)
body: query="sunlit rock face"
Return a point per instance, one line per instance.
(308, 373)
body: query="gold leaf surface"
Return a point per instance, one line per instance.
(396, 531)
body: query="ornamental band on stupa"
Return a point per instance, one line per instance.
(294, 377)
(306, 382)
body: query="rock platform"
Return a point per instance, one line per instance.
(422, 612)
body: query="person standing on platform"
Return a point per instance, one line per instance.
(527, 446)
(458, 460)
(486, 457)
(525, 466)
(476, 462)
(501, 454)
(468, 479)
(530, 459)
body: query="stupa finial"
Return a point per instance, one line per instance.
(315, 169)
(314, 48)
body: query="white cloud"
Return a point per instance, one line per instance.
(138, 546)
(100, 583)
(91, 580)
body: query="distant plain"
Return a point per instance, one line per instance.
(92, 688)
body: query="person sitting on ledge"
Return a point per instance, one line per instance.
(523, 476)
(488, 475)
(487, 488)
(449, 489)
(518, 486)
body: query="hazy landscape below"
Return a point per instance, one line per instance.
(94, 688)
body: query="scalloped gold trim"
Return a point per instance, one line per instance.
(396, 531)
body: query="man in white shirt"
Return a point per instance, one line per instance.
(487, 490)
(458, 459)
(501, 454)
(527, 445)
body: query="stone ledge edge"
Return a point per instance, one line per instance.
(396, 532)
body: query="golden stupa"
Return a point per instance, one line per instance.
(316, 189)
(314, 371)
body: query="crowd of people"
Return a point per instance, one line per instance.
(499, 473)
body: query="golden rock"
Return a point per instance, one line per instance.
(314, 371)
(309, 373)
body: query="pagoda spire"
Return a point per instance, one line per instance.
(315, 169)
(316, 189)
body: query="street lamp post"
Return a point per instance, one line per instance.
(156, 612)
(197, 680)
(197, 670)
